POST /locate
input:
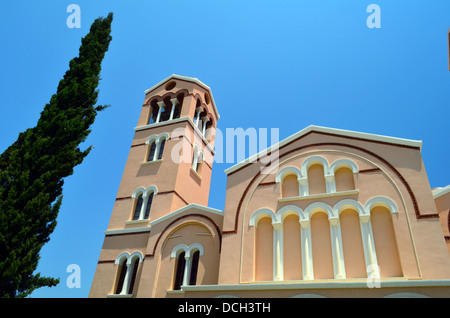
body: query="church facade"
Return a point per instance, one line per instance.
(340, 214)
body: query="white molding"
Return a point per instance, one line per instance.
(185, 208)
(189, 79)
(381, 201)
(128, 231)
(318, 285)
(348, 133)
(161, 123)
(261, 213)
(119, 295)
(440, 191)
(319, 196)
(197, 132)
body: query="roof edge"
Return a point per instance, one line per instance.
(440, 191)
(335, 131)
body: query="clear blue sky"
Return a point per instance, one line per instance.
(332, 69)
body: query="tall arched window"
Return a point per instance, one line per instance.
(149, 205)
(138, 207)
(156, 146)
(194, 268)
(385, 242)
(152, 151)
(143, 202)
(179, 271)
(121, 271)
(161, 148)
(186, 265)
(127, 272)
(197, 159)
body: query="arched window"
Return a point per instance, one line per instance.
(194, 268)
(197, 159)
(186, 265)
(149, 205)
(179, 271)
(143, 202)
(121, 271)
(126, 272)
(385, 243)
(161, 148)
(156, 146)
(290, 178)
(151, 153)
(154, 109)
(138, 207)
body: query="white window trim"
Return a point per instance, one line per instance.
(188, 252)
(156, 139)
(329, 173)
(131, 259)
(145, 196)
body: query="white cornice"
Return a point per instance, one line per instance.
(177, 120)
(334, 131)
(441, 191)
(184, 209)
(164, 218)
(317, 285)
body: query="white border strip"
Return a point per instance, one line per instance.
(441, 191)
(317, 285)
(349, 133)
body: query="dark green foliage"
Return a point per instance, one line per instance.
(32, 170)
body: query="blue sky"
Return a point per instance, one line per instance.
(332, 69)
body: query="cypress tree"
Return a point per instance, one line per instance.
(33, 168)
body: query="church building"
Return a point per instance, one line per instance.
(340, 214)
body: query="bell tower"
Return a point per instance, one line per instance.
(170, 161)
(168, 168)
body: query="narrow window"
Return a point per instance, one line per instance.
(194, 268)
(122, 270)
(154, 108)
(151, 153)
(133, 276)
(161, 149)
(177, 111)
(181, 263)
(138, 207)
(149, 205)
